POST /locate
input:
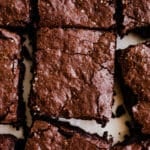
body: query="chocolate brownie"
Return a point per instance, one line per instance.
(14, 13)
(73, 74)
(9, 76)
(77, 13)
(142, 145)
(46, 136)
(136, 14)
(135, 67)
(141, 113)
(7, 142)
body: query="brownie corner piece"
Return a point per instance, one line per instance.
(136, 14)
(78, 13)
(10, 47)
(15, 13)
(73, 74)
(47, 135)
(134, 64)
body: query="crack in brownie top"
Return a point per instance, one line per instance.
(74, 74)
(46, 136)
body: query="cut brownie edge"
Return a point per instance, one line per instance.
(90, 14)
(10, 77)
(64, 137)
(134, 62)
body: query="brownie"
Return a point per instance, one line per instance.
(142, 145)
(77, 13)
(74, 74)
(141, 113)
(46, 136)
(135, 63)
(7, 142)
(136, 14)
(9, 76)
(14, 13)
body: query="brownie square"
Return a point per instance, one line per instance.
(9, 76)
(44, 135)
(14, 13)
(135, 68)
(74, 74)
(136, 14)
(77, 13)
(7, 142)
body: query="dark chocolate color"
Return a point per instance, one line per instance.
(77, 13)
(136, 14)
(135, 66)
(9, 76)
(46, 136)
(14, 13)
(74, 74)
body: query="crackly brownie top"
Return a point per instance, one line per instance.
(136, 14)
(143, 145)
(14, 13)
(9, 75)
(7, 142)
(135, 64)
(77, 13)
(74, 74)
(46, 136)
(134, 146)
(141, 113)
